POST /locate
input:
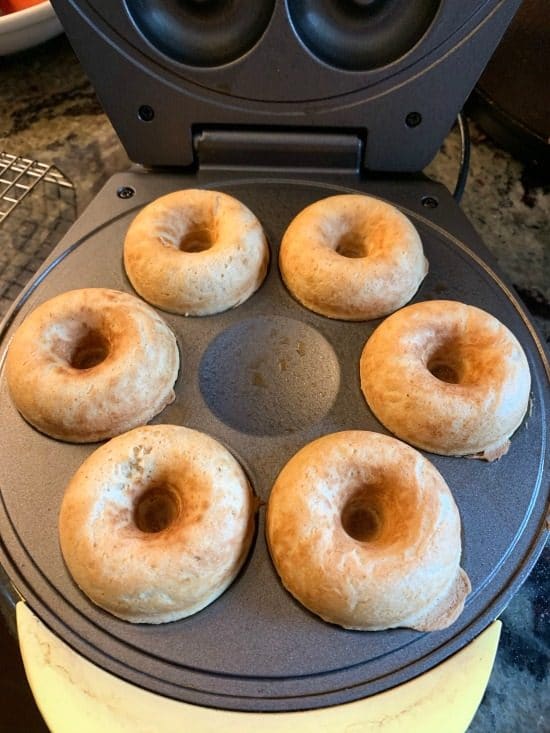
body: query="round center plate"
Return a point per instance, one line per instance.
(265, 379)
(269, 376)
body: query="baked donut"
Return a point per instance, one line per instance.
(447, 377)
(352, 257)
(91, 363)
(156, 523)
(196, 252)
(365, 533)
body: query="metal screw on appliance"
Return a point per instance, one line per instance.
(413, 119)
(430, 202)
(125, 192)
(146, 113)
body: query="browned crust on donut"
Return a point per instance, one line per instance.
(132, 384)
(475, 414)
(155, 577)
(355, 287)
(196, 283)
(449, 608)
(493, 453)
(406, 573)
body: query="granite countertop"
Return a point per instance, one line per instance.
(48, 111)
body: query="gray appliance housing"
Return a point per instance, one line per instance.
(283, 119)
(400, 99)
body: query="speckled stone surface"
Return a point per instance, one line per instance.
(48, 111)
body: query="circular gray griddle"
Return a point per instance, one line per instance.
(265, 379)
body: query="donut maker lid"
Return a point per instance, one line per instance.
(393, 73)
(266, 378)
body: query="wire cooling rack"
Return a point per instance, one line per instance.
(37, 206)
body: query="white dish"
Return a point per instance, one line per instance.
(27, 28)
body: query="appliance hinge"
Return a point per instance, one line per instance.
(278, 150)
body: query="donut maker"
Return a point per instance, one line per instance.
(278, 104)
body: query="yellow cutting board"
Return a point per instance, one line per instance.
(75, 696)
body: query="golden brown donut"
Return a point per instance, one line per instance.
(196, 252)
(365, 533)
(447, 377)
(156, 523)
(91, 363)
(352, 257)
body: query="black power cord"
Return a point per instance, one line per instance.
(465, 146)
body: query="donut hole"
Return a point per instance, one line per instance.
(156, 509)
(89, 350)
(197, 239)
(445, 364)
(361, 518)
(352, 245)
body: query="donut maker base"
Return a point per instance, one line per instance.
(264, 379)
